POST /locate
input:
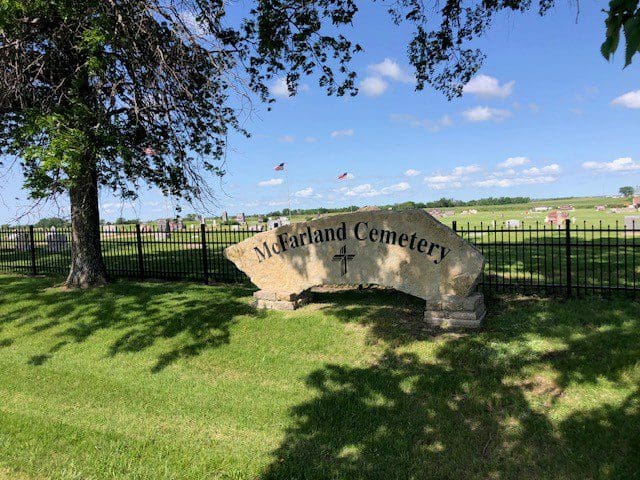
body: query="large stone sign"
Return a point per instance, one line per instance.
(409, 251)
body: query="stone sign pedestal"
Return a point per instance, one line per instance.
(454, 312)
(279, 301)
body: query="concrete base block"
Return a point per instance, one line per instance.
(454, 312)
(278, 301)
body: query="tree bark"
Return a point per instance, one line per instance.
(87, 266)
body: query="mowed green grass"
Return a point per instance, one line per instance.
(183, 381)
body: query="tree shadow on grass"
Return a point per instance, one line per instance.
(390, 315)
(141, 313)
(482, 405)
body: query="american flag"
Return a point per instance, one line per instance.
(280, 166)
(343, 176)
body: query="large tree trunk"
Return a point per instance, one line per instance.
(87, 266)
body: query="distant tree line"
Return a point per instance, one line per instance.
(311, 211)
(450, 202)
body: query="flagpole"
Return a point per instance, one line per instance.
(286, 179)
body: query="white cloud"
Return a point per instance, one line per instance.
(484, 114)
(412, 172)
(279, 87)
(509, 172)
(190, 21)
(508, 176)
(306, 192)
(628, 100)
(287, 138)
(270, 183)
(342, 133)
(486, 86)
(624, 164)
(445, 121)
(534, 107)
(511, 182)
(310, 139)
(444, 186)
(367, 190)
(398, 187)
(554, 168)
(514, 162)
(390, 68)
(440, 178)
(466, 170)
(505, 177)
(364, 190)
(414, 122)
(452, 180)
(373, 86)
(443, 182)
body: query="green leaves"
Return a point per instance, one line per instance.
(632, 35)
(622, 14)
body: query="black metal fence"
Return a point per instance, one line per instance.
(531, 258)
(566, 259)
(128, 251)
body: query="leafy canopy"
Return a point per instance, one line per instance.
(623, 15)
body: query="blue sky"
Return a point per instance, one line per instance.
(547, 116)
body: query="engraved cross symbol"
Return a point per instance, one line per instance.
(343, 257)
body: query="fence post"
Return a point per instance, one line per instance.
(454, 226)
(32, 246)
(140, 254)
(205, 261)
(567, 229)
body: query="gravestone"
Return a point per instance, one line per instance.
(56, 242)
(512, 224)
(409, 251)
(164, 229)
(21, 241)
(632, 223)
(277, 222)
(240, 218)
(109, 230)
(224, 218)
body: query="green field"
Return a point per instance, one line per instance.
(180, 381)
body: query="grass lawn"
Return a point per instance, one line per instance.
(170, 380)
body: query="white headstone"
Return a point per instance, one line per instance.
(512, 223)
(632, 223)
(21, 241)
(56, 242)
